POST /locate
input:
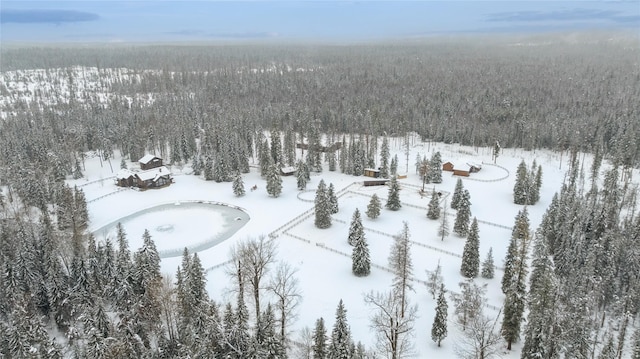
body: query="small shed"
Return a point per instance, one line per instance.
(287, 171)
(375, 183)
(150, 161)
(370, 172)
(447, 166)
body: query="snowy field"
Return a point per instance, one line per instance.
(322, 256)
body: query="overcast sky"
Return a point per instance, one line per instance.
(114, 21)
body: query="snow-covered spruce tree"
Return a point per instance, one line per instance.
(276, 148)
(461, 224)
(208, 167)
(373, 208)
(457, 193)
(301, 175)
(322, 207)
(384, 158)
(515, 294)
(435, 168)
(331, 160)
(488, 267)
(340, 346)
(267, 343)
(439, 327)
(521, 187)
(635, 348)
(539, 331)
(393, 200)
(319, 347)
(265, 158)
(333, 199)
(289, 147)
(221, 169)
(471, 254)
(356, 231)
(434, 206)
(519, 240)
(361, 262)
(238, 185)
(274, 181)
(393, 168)
(434, 280)
(496, 151)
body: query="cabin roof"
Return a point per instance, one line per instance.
(147, 158)
(154, 173)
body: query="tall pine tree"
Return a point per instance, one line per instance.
(322, 207)
(471, 253)
(393, 200)
(439, 327)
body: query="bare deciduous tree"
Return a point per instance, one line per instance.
(393, 328)
(480, 340)
(284, 286)
(255, 256)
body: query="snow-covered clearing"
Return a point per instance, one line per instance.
(322, 256)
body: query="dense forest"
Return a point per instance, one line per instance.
(210, 106)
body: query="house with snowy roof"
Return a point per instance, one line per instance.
(152, 174)
(462, 168)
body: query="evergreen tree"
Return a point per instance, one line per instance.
(276, 148)
(635, 349)
(266, 160)
(608, 350)
(208, 168)
(488, 268)
(541, 301)
(319, 347)
(274, 181)
(521, 187)
(331, 159)
(238, 185)
(393, 200)
(333, 199)
(301, 175)
(515, 294)
(496, 151)
(361, 262)
(393, 168)
(435, 168)
(322, 207)
(384, 158)
(457, 194)
(519, 239)
(373, 208)
(471, 253)
(461, 224)
(434, 206)
(439, 327)
(340, 347)
(356, 231)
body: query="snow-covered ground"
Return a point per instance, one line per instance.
(322, 256)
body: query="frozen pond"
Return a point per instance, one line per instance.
(195, 225)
